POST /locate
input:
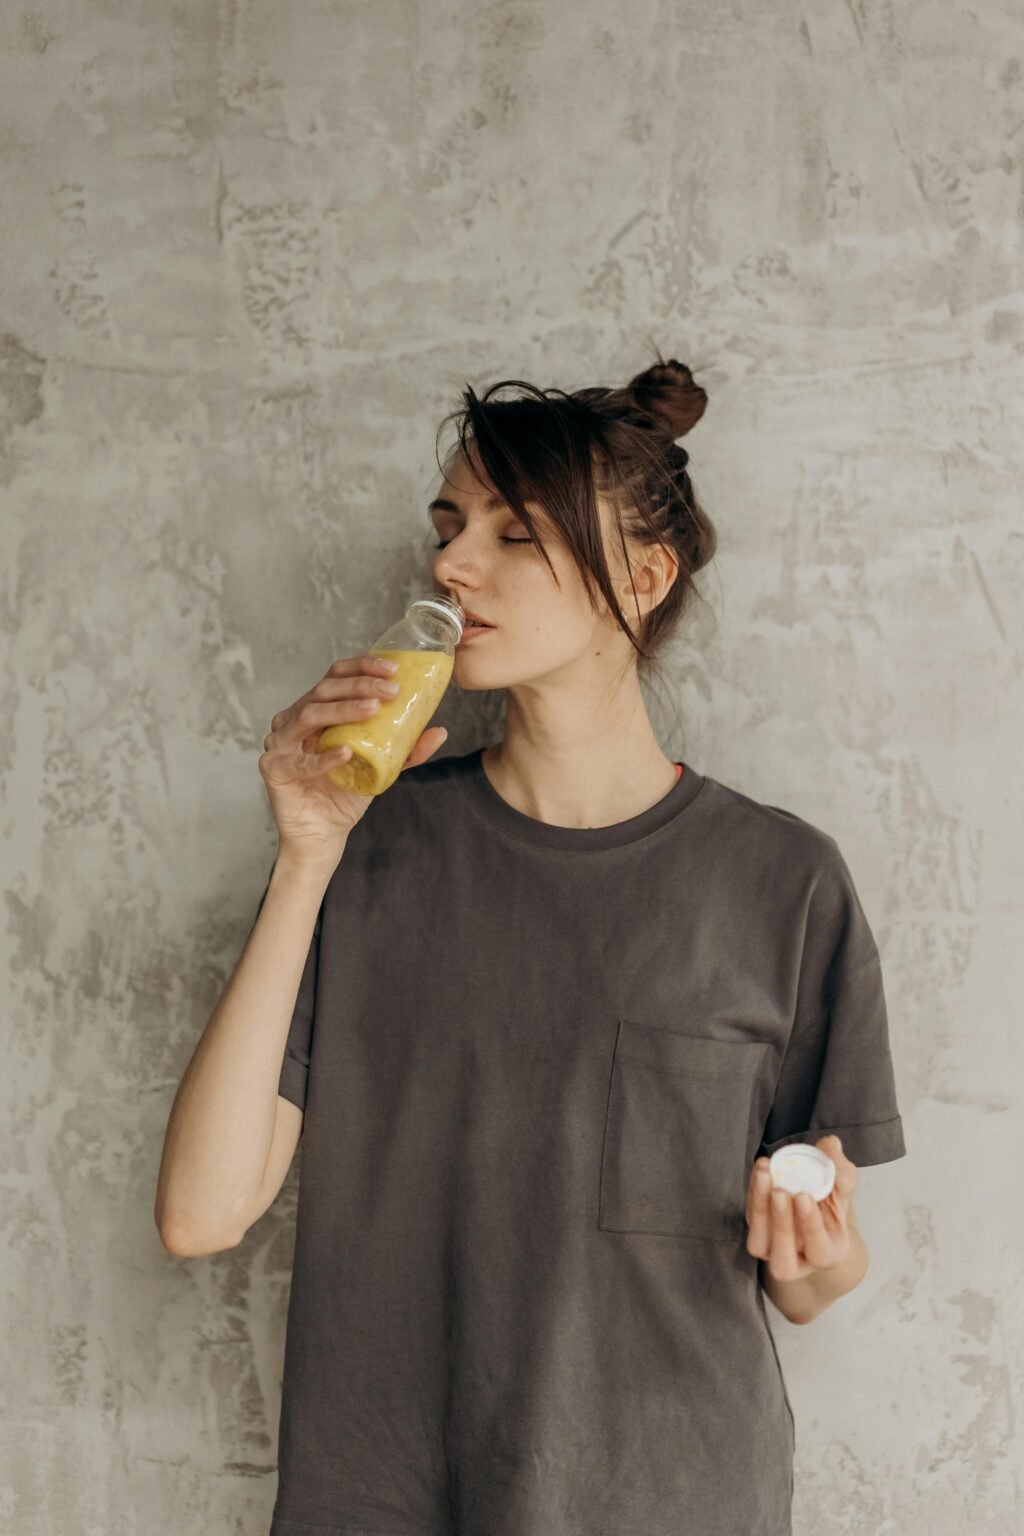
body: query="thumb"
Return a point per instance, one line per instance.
(432, 739)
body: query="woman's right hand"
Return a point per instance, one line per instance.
(314, 815)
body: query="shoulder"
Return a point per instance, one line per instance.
(768, 833)
(780, 854)
(789, 869)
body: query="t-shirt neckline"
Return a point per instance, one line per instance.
(542, 834)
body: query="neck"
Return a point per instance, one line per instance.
(581, 768)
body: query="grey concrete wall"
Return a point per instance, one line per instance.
(249, 253)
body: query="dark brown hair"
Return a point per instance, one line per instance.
(561, 449)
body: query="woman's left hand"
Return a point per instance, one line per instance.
(800, 1234)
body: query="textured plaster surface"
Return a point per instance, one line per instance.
(250, 253)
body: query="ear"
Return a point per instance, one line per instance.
(654, 569)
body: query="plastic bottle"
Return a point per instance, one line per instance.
(423, 644)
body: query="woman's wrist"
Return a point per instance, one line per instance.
(309, 874)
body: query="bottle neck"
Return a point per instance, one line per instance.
(443, 610)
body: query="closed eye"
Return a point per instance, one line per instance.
(500, 541)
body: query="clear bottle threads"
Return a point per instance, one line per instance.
(423, 644)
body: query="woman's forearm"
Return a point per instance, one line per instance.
(221, 1123)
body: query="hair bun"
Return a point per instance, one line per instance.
(668, 392)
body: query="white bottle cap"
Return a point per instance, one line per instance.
(802, 1168)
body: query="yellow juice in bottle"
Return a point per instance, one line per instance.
(381, 743)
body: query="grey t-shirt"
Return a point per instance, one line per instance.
(537, 1064)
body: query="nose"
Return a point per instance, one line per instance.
(455, 569)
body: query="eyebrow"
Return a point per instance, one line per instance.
(442, 504)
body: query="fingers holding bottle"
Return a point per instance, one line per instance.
(312, 812)
(351, 689)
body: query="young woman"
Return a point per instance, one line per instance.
(541, 1013)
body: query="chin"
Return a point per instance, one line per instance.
(470, 684)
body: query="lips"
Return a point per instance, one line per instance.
(472, 629)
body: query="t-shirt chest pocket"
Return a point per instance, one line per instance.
(679, 1126)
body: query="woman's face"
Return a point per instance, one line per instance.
(488, 564)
